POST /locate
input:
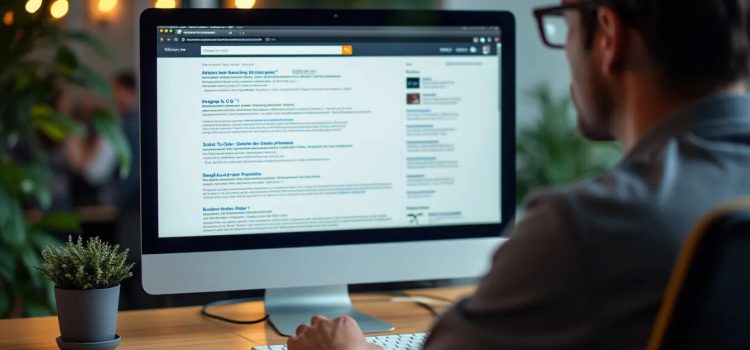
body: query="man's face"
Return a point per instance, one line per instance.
(124, 97)
(590, 92)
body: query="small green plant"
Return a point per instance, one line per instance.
(93, 265)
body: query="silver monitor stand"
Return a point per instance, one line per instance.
(290, 307)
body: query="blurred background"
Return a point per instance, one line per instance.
(69, 129)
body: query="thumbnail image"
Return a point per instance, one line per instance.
(412, 99)
(412, 83)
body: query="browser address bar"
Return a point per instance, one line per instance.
(286, 50)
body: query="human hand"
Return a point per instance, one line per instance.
(342, 333)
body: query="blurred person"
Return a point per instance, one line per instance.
(92, 159)
(59, 182)
(585, 266)
(126, 99)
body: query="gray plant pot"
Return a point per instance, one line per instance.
(87, 316)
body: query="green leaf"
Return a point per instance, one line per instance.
(55, 125)
(90, 41)
(6, 201)
(12, 224)
(30, 259)
(55, 222)
(66, 61)
(31, 138)
(5, 301)
(111, 130)
(36, 183)
(7, 264)
(11, 177)
(22, 182)
(94, 81)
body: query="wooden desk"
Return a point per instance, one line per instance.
(185, 328)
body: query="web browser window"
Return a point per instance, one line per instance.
(287, 129)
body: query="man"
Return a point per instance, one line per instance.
(92, 159)
(587, 265)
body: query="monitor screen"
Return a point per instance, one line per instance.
(267, 130)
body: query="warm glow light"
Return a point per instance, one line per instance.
(244, 4)
(8, 18)
(33, 5)
(165, 4)
(107, 5)
(59, 8)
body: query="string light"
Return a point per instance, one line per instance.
(106, 6)
(244, 4)
(59, 8)
(165, 4)
(33, 5)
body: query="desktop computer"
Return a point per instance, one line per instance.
(302, 151)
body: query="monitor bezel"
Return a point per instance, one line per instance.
(151, 18)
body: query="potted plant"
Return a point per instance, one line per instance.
(87, 280)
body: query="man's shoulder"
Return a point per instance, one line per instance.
(608, 219)
(616, 193)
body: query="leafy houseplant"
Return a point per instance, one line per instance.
(87, 279)
(551, 152)
(37, 61)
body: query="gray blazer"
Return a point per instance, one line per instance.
(586, 265)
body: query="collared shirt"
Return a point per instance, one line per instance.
(586, 265)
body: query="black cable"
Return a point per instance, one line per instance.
(429, 308)
(204, 311)
(426, 306)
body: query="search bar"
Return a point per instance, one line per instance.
(282, 50)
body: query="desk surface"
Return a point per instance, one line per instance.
(184, 327)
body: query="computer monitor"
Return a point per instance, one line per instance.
(300, 151)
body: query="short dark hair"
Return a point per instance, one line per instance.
(126, 79)
(698, 44)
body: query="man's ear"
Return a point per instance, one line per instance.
(612, 41)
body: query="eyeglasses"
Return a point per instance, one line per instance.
(552, 24)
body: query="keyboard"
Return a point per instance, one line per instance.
(406, 341)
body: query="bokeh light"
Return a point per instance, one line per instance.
(8, 18)
(107, 5)
(33, 5)
(59, 8)
(165, 4)
(244, 4)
